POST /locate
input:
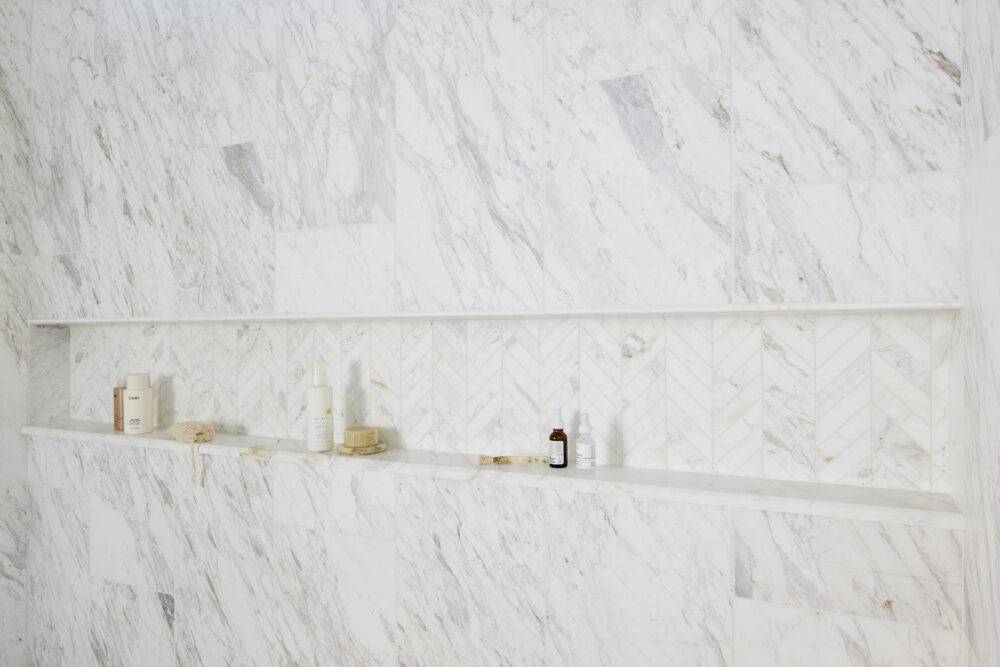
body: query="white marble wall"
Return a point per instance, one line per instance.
(844, 399)
(980, 435)
(257, 157)
(16, 248)
(216, 559)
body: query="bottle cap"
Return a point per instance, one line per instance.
(584, 423)
(137, 381)
(558, 423)
(319, 373)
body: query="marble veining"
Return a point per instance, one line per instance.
(846, 399)
(245, 555)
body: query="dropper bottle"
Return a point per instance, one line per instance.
(557, 443)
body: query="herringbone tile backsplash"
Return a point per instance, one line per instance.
(845, 399)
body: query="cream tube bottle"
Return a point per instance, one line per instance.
(138, 404)
(319, 411)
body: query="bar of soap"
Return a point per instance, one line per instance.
(191, 432)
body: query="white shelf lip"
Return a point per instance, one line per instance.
(924, 508)
(651, 311)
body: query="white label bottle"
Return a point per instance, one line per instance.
(138, 408)
(319, 411)
(586, 450)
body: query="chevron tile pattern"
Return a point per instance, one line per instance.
(689, 393)
(736, 395)
(601, 384)
(840, 399)
(484, 372)
(789, 399)
(843, 400)
(416, 411)
(386, 380)
(354, 372)
(901, 401)
(644, 385)
(942, 348)
(523, 428)
(449, 383)
(191, 386)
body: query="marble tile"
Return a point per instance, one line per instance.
(484, 385)
(469, 155)
(767, 634)
(49, 374)
(191, 365)
(638, 177)
(843, 400)
(249, 378)
(601, 360)
(62, 86)
(737, 429)
(689, 394)
(138, 37)
(789, 398)
(82, 286)
(901, 401)
(336, 86)
(887, 240)
(223, 243)
(348, 269)
(678, 604)
(449, 384)
(831, 91)
(594, 40)
(942, 341)
(893, 572)
(130, 625)
(14, 632)
(980, 75)
(385, 378)
(319, 497)
(979, 422)
(470, 571)
(14, 502)
(13, 414)
(644, 401)
(416, 418)
(525, 429)
(560, 371)
(16, 192)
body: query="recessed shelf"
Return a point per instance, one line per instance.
(744, 309)
(828, 500)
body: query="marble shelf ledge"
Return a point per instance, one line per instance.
(827, 500)
(636, 311)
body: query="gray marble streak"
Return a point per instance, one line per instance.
(62, 87)
(831, 90)
(633, 581)
(897, 573)
(49, 374)
(591, 40)
(981, 74)
(469, 155)
(191, 557)
(471, 571)
(16, 192)
(979, 422)
(768, 634)
(336, 90)
(638, 177)
(883, 240)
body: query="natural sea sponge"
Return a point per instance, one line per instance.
(191, 432)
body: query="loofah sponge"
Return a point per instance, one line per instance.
(191, 432)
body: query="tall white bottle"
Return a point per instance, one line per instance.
(319, 411)
(138, 405)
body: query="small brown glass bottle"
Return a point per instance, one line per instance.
(557, 444)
